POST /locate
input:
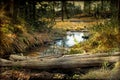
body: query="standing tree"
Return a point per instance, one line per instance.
(64, 9)
(62, 5)
(115, 8)
(87, 6)
(118, 13)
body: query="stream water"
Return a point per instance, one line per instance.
(63, 45)
(70, 39)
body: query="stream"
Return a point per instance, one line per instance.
(62, 45)
(70, 39)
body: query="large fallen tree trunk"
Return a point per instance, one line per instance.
(64, 62)
(21, 58)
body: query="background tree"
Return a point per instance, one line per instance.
(87, 6)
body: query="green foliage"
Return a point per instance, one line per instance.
(105, 65)
(73, 10)
(45, 16)
(76, 76)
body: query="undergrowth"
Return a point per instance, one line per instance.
(103, 73)
(105, 37)
(18, 37)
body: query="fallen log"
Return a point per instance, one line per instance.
(64, 62)
(21, 58)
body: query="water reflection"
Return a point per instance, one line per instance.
(61, 46)
(71, 39)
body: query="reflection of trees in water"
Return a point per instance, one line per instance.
(62, 45)
(73, 38)
(64, 42)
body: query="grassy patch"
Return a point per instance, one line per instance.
(104, 38)
(69, 25)
(96, 74)
(103, 73)
(77, 24)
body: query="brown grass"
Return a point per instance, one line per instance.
(96, 74)
(109, 74)
(104, 38)
(14, 38)
(68, 25)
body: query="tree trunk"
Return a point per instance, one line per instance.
(62, 6)
(34, 10)
(15, 10)
(64, 10)
(115, 8)
(64, 62)
(89, 5)
(119, 14)
(21, 58)
(102, 2)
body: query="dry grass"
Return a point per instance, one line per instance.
(115, 73)
(5, 42)
(69, 25)
(77, 24)
(97, 74)
(105, 38)
(29, 41)
(14, 38)
(111, 74)
(13, 43)
(117, 65)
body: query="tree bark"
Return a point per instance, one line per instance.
(62, 6)
(63, 62)
(21, 58)
(102, 2)
(119, 14)
(15, 10)
(89, 5)
(114, 6)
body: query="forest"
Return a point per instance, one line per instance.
(67, 39)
